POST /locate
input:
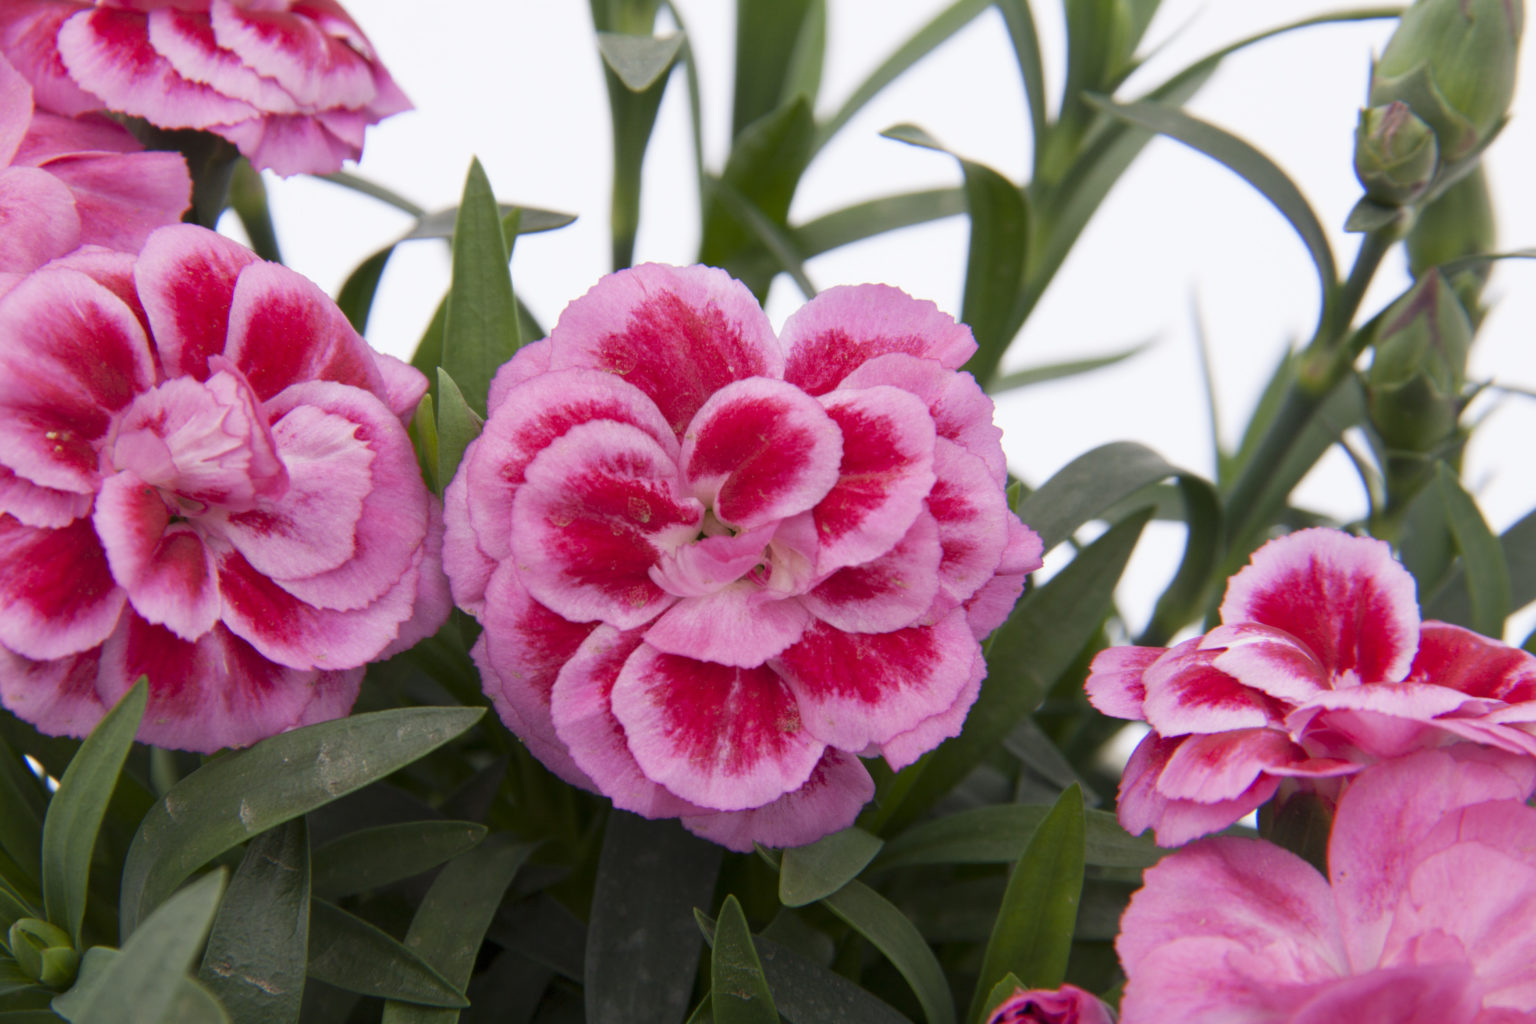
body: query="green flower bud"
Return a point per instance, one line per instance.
(1395, 154)
(1453, 62)
(1414, 385)
(1456, 224)
(43, 952)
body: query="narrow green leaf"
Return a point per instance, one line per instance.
(1026, 50)
(375, 857)
(480, 330)
(1243, 160)
(516, 221)
(809, 873)
(638, 60)
(642, 945)
(141, 984)
(23, 802)
(28, 1017)
(373, 189)
(1518, 545)
(457, 426)
(192, 1003)
(805, 992)
(423, 433)
(76, 810)
(773, 238)
(738, 991)
(1486, 575)
(248, 198)
(1058, 371)
(768, 35)
(351, 954)
(258, 948)
(1001, 992)
(1090, 485)
(1033, 934)
(360, 287)
(802, 74)
(875, 216)
(888, 929)
(998, 835)
(227, 801)
(450, 924)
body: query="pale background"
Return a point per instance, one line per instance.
(519, 83)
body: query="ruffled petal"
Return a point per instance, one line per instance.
(892, 592)
(166, 568)
(57, 696)
(39, 506)
(973, 519)
(317, 70)
(1115, 684)
(1186, 692)
(741, 625)
(1462, 660)
(1141, 806)
(906, 747)
(57, 594)
(1213, 769)
(29, 31)
(185, 39)
(1268, 660)
(827, 802)
(186, 279)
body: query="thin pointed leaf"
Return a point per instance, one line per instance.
(809, 873)
(1032, 937)
(192, 1003)
(356, 183)
(639, 61)
(1026, 50)
(1088, 486)
(248, 198)
(738, 990)
(1518, 546)
(258, 948)
(424, 440)
(775, 239)
(228, 801)
(358, 290)
(998, 835)
(802, 75)
(375, 857)
(480, 329)
(351, 954)
(768, 35)
(76, 810)
(529, 220)
(1057, 371)
(23, 802)
(807, 993)
(875, 216)
(1000, 993)
(889, 930)
(1486, 576)
(457, 426)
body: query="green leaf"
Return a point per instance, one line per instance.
(375, 857)
(1486, 575)
(192, 1004)
(1057, 371)
(1000, 993)
(356, 183)
(888, 929)
(351, 954)
(259, 946)
(516, 221)
(480, 331)
(423, 432)
(1033, 934)
(809, 873)
(1090, 485)
(248, 198)
(450, 924)
(360, 287)
(229, 800)
(1243, 160)
(805, 992)
(639, 61)
(23, 802)
(1451, 602)
(739, 992)
(457, 426)
(76, 810)
(1026, 50)
(998, 835)
(875, 216)
(642, 944)
(779, 44)
(141, 984)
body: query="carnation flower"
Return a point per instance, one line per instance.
(67, 182)
(292, 83)
(1321, 667)
(1066, 1005)
(205, 479)
(715, 566)
(1430, 915)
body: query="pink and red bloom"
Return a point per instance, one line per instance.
(1321, 667)
(205, 479)
(1430, 915)
(715, 566)
(1066, 1005)
(292, 83)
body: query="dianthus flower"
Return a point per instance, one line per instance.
(1321, 667)
(1430, 916)
(205, 479)
(292, 83)
(1066, 1005)
(67, 182)
(715, 566)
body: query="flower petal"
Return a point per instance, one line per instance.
(39, 506)
(1385, 720)
(289, 144)
(1141, 806)
(741, 625)
(1267, 659)
(1115, 680)
(889, 593)
(972, 514)
(827, 802)
(317, 70)
(186, 279)
(38, 213)
(57, 696)
(906, 747)
(166, 569)
(57, 595)
(1213, 769)
(29, 31)
(185, 39)
(121, 198)
(1462, 660)
(991, 605)
(1186, 692)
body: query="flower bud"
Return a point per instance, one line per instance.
(43, 952)
(1456, 224)
(1453, 62)
(1414, 385)
(1395, 154)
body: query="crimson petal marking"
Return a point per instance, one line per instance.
(39, 506)
(1477, 666)
(841, 328)
(540, 410)
(38, 213)
(108, 52)
(892, 592)
(1187, 693)
(1344, 597)
(57, 595)
(58, 697)
(679, 334)
(1211, 769)
(827, 802)
(1267, 659)
(317, 70)
(582, 711)
(185, 39)
(1176, 822)
(972, 515)
(741, 625)
(721, 737)
(886, 473)
(186, 278)
(165, 568)
(1115, 684)
(860, 689)
(598, 507)
(906, 747)
(760, 450)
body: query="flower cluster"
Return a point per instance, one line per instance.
(715, 566)
(292, 83)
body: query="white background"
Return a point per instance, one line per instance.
(519, 83)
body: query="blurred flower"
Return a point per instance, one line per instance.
(1395, 154)
(205, 479)
(713, 566)
(1066, 1005)
(1430, 916)
(292, 83)
(67, 182)
(1321, 667)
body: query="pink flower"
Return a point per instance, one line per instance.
(1066, 1005)
(1430, 917)
(1320, 667)
(714, 566)
(205, 478)
(292, 83)
(67, 182)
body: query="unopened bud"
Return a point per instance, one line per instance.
(1414, 385)
(1395, 154)
(43, 952)
(1456, 224)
